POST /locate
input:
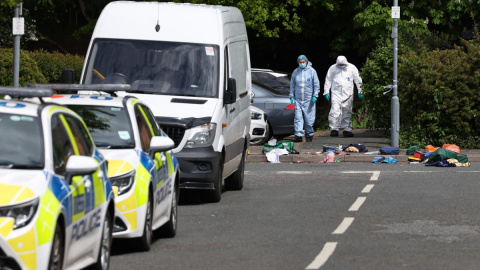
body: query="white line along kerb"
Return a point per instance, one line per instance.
(375, 174)
(323, 256)
(294, 172)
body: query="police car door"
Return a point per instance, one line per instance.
(149, 128)
(82, 218)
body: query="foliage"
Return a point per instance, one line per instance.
(440, 96)
(51, 65)
(267, 18)
(374, 23)
(6, 35)
(28, 73)
(377, 73)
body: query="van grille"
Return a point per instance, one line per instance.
(175, 133)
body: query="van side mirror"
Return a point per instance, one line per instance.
(68, 76)
(230, 95)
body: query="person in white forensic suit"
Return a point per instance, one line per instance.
(339, 89)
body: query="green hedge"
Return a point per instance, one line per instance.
(439, 93)
(52, 64)
(28, 73)
(440, 96)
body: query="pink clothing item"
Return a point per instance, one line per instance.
(329, 157)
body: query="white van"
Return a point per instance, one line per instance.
(191, 65)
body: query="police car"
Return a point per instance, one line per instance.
(56, 202)
(141, 162)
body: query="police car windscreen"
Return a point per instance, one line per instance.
(158, 67)
(110, 127)
(21, 142)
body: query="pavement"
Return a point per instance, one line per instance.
(312, 152)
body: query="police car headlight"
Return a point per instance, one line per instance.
(22, 213)
(124, 182)
(202, 136)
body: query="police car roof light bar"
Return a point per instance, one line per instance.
(26, 92)
(83, 87)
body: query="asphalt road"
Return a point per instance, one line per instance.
(327, 216)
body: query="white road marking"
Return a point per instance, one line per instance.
(323, 256)
(342, 228)
(375, 174)
(368, 188)
(356, 205)
(294, 172)
(440, 171)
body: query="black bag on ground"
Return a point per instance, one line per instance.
(389, 150)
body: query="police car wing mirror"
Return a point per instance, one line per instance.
(80, 165)
(161, 144)
(230, 94)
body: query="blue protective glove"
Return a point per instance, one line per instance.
(360, 96)
(327, 97)
(314, 99)
(292, 100)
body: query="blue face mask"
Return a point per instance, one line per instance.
(342, 66)
(303, 65)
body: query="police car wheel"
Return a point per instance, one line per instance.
(169, 229)
(145, 241)
(103, 259)
(58, 248)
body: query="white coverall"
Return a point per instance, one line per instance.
(340, 80)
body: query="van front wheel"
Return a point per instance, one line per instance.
(215, 195)
(235, 181)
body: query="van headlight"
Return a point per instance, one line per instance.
(22, 213)
(202, 136)
(124, 182)
(256, 116)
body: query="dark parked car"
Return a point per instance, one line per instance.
(278, 108)
(277, 80)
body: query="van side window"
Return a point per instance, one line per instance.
(239, 73)
(226, 69)
(62, 147)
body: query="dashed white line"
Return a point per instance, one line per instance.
(375, 176)
(323, 256)
(368, 188)
(342, 228)
(356, 205)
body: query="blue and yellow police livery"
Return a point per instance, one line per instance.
(56, 202)
(141, 163)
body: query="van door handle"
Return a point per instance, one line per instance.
(232, 110)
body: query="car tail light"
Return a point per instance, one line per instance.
(290, 107)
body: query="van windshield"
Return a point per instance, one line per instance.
(157, 67)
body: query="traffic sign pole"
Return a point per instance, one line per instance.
(18, 30)
(395, 117)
